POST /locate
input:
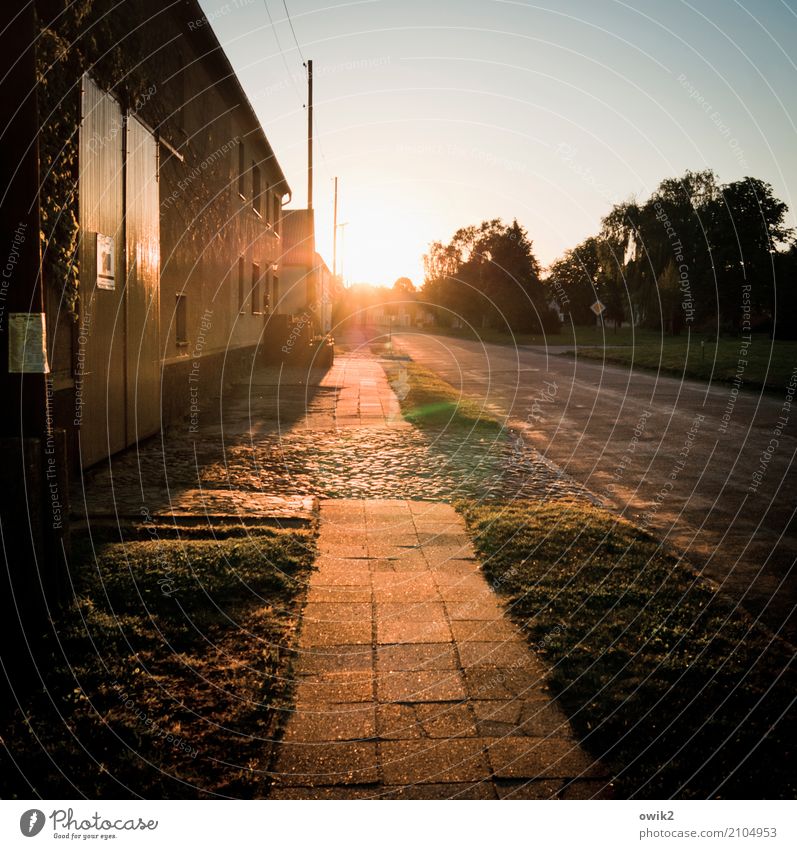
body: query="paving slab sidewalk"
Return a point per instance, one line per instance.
(410, 679)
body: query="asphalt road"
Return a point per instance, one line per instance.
(708, 470)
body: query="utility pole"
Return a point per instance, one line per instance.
(309, 133)
(341, 227)
(335, 232)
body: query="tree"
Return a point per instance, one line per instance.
(404, 286)
(784, 313)
(747, 228)
(669, 295)
(489, 276)
(403, 298)
(672, 226)
(572, 281)
(611, 282)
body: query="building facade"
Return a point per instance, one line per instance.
(306, 283)
(177, 221)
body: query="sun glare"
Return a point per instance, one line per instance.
(377, 241)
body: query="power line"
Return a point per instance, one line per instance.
(316, 131)
(296, 41)
(282, 52)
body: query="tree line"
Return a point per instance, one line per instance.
(488, 276)
(697, 253)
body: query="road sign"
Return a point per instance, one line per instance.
(598, 308)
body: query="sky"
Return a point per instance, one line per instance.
(437, 114)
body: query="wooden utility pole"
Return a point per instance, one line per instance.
(309, 133)
(342, 227)
(335, 232)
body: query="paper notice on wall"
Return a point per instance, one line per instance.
(27, 343)
(105, 262)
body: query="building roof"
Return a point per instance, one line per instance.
(298, 237)
(205, 36)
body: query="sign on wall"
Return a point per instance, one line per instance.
(105, 262)
(27, 343)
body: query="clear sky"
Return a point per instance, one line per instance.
(435, 114)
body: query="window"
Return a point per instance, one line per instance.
(256, 193)
(269, 210)
(241, 285)
(255, 289)
(181, 320)
(277, 212)
(241, 169)
(275, 292)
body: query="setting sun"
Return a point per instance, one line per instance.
(380, 235)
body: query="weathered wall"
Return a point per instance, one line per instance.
(212, 241)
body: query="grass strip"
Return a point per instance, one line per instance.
(763, 364)
(431, 403)
(168, 671)
(756, 364)
(680, 693)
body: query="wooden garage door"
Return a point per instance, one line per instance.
(117, 374)
(142, 233)
(100, 369)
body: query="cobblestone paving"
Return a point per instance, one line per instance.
(410, 680)
(376, 463)
(289, 434)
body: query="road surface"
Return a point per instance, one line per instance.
(708, 470)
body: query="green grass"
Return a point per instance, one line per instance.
(166, 672)
(764, 364)
(569, 336)
(429, 402)
(768, 365)
(493, 337)
(679, 693)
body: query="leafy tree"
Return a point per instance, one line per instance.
(611, 282)
(784, 325)
(685, 254)
(489, 276)
(747, 227)
(670, 227)
(404, 286)
(572, 281)
(669, 295)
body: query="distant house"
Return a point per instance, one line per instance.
(306, 284)
(390, 314)
(383, 307)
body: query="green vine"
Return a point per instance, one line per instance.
(106, 39)
(59, 111)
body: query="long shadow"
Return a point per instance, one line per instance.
(153, 475)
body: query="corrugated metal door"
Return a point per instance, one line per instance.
(142, 233)
(100, 369)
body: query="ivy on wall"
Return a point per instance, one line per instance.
(59, 112)
(107, 39)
